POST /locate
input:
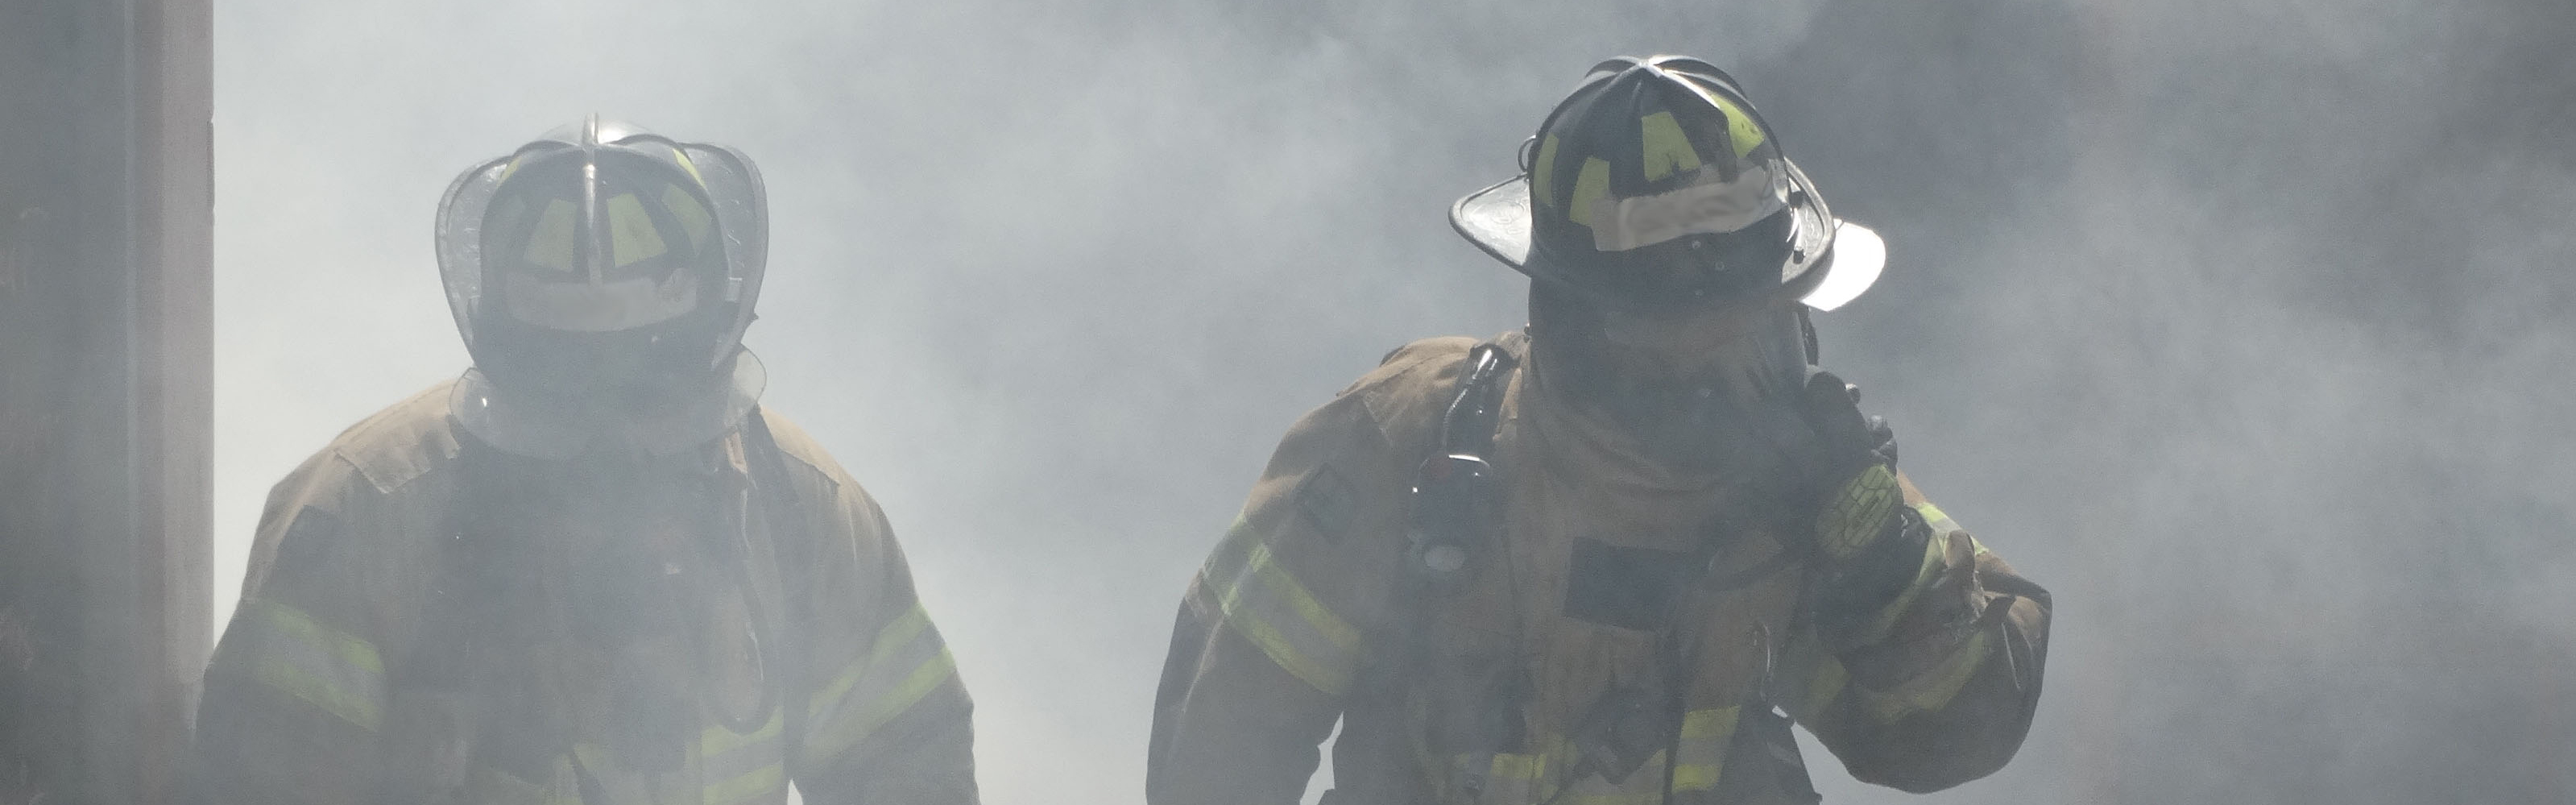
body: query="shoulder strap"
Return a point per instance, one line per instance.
(791, 542)
(1453, 490)
(1468, 428)
(468, 642)
(1452, 517)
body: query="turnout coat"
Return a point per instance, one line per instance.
(1628, 641)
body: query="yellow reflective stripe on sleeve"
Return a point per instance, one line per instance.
(330, 669)
(1932, 690)
(907, 662)
(1277, 613)
(736, 767)
(1827, 684)
(1701, 758)
(1941, 523)
(1645, 786)
(751, 786)
(1667, 148)
(1924, 574)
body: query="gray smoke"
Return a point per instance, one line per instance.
(2243, 327)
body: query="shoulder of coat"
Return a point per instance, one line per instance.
(402, 443)
(1410, 390)
(800, 450)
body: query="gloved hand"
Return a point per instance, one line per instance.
(1868, 545)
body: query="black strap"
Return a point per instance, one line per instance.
(1468, 427)
(791, 543)
(1466, 431)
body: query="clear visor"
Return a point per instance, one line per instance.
(1744, 353)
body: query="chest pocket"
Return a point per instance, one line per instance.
(1626, 587)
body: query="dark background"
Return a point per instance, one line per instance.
(2245, 327)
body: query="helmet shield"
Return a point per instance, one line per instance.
(1656, 183)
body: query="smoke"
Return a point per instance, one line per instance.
(2241, 326)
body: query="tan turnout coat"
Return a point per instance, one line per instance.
(1295, 620)
(324, 687)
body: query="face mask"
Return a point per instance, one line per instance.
(1705, 388)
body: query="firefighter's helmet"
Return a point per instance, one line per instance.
(596, 235)
(1655, 183)
(604, 268)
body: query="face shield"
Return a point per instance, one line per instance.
(1705, 387)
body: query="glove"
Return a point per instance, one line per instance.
(1869, 547)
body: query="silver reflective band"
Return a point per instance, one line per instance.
(328, 668)
(1710, 206)
(907, 663)
(735, 767)
(1859, 256)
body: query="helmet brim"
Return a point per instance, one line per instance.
(1828, 266)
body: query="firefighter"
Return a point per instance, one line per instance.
(593, 569)
(1609, 558)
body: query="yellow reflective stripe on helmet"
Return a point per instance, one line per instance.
(734, 767)
(330, 669)
(694, 219)
(681, 155)
(1543, 171)
(906, 663)
(1934, 688)
(1667, 148)
(632, 238)
(1740, 128)
(1701, 758)
(1590, 185)
(1272, 609)
(550, 244)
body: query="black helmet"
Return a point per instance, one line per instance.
(604, 266)
(600, 232)
(1655, 183)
